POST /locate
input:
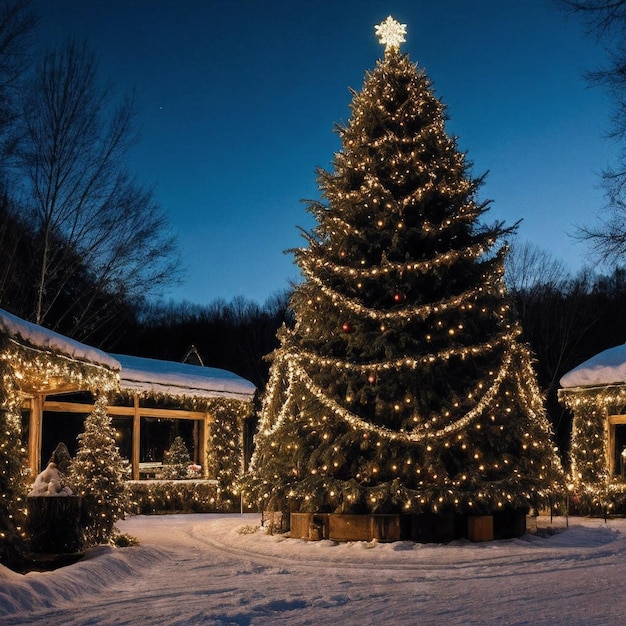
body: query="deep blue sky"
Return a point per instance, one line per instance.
(237, 100)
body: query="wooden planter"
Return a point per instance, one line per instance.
(346, 527)
(53, 524)
(423, 528)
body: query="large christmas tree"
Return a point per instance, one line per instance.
(403, 386)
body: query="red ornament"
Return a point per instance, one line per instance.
(371, 379)
(398, 297)
(347, 327)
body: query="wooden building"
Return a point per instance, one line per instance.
(150, 401)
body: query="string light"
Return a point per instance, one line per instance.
(591, 479)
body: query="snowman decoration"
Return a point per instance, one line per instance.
(50, 483)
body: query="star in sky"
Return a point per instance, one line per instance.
(390, 33)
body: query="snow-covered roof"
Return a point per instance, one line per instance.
(39, 337)
(136, 373)
(606, 368)
(181, 379)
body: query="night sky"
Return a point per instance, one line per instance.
(237, 100)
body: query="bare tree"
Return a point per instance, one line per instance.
(606, 19)
(91, 216)
(17, 23)
(529, 266)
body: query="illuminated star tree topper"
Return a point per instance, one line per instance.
(390, 33)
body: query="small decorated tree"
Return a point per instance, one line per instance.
(13, 483)
(177, 460)
(98, 475)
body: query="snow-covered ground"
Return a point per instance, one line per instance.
(213, 569)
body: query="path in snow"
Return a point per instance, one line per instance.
(197, 569)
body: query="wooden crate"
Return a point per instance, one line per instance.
(299, 525)
(385, 528)
(346, 527)
(480, 528)
(318, 528)
(312, 526)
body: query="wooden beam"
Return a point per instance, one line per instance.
(202, 445)
(124, 411)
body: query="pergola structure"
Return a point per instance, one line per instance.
(595, 392)
(57, 377)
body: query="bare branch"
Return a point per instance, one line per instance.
(93, 218)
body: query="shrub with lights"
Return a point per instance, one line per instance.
(403, 386)
(594, 490)
(174, 496)
(13, 465)
(225, 445)
(98, 474)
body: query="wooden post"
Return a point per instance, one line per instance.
(34, 434)
(204, 433)
(136, 437)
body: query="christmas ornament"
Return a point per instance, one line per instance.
(347, 327)
(390, 33)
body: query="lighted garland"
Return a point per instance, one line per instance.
(420, 312)
(491, 494)
(410, 362)
(149, 497)
(306, 260)
(267, 426)
(39, 366)
(465, 214)
(297, 373)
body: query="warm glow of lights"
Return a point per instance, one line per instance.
(399, 408)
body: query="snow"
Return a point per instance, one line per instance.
(43, 338)
(606, 368)
(181, 379)
(213, 569)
